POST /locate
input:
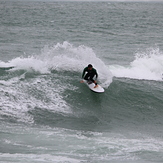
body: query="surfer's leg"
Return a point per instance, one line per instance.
(91, 78)
(86, 77)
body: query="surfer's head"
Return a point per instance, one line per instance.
(90, 66)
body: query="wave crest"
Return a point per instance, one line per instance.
(147, 65)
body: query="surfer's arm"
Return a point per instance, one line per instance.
(96, 74)
(83, 73)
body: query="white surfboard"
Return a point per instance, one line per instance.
(91, 86)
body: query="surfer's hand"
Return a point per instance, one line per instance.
(95, 86)
(81, 81)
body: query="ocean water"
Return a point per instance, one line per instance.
(47, 115)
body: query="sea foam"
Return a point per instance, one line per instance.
(62, 57)
(147, 65)
(67, 57)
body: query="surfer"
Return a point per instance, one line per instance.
(91, 72)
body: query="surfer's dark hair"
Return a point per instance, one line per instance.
(90, 65)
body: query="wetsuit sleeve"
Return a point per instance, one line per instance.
(83, 73)
(96, 74)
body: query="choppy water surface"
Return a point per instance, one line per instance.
(47, 115)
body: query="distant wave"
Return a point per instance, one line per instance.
(147, 65)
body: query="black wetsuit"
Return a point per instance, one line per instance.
(90, 74)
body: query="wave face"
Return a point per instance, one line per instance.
(39, 81)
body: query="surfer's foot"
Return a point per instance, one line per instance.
(95, 86)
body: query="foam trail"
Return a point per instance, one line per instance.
(147, 65)
(4, 64)
(30, 63)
